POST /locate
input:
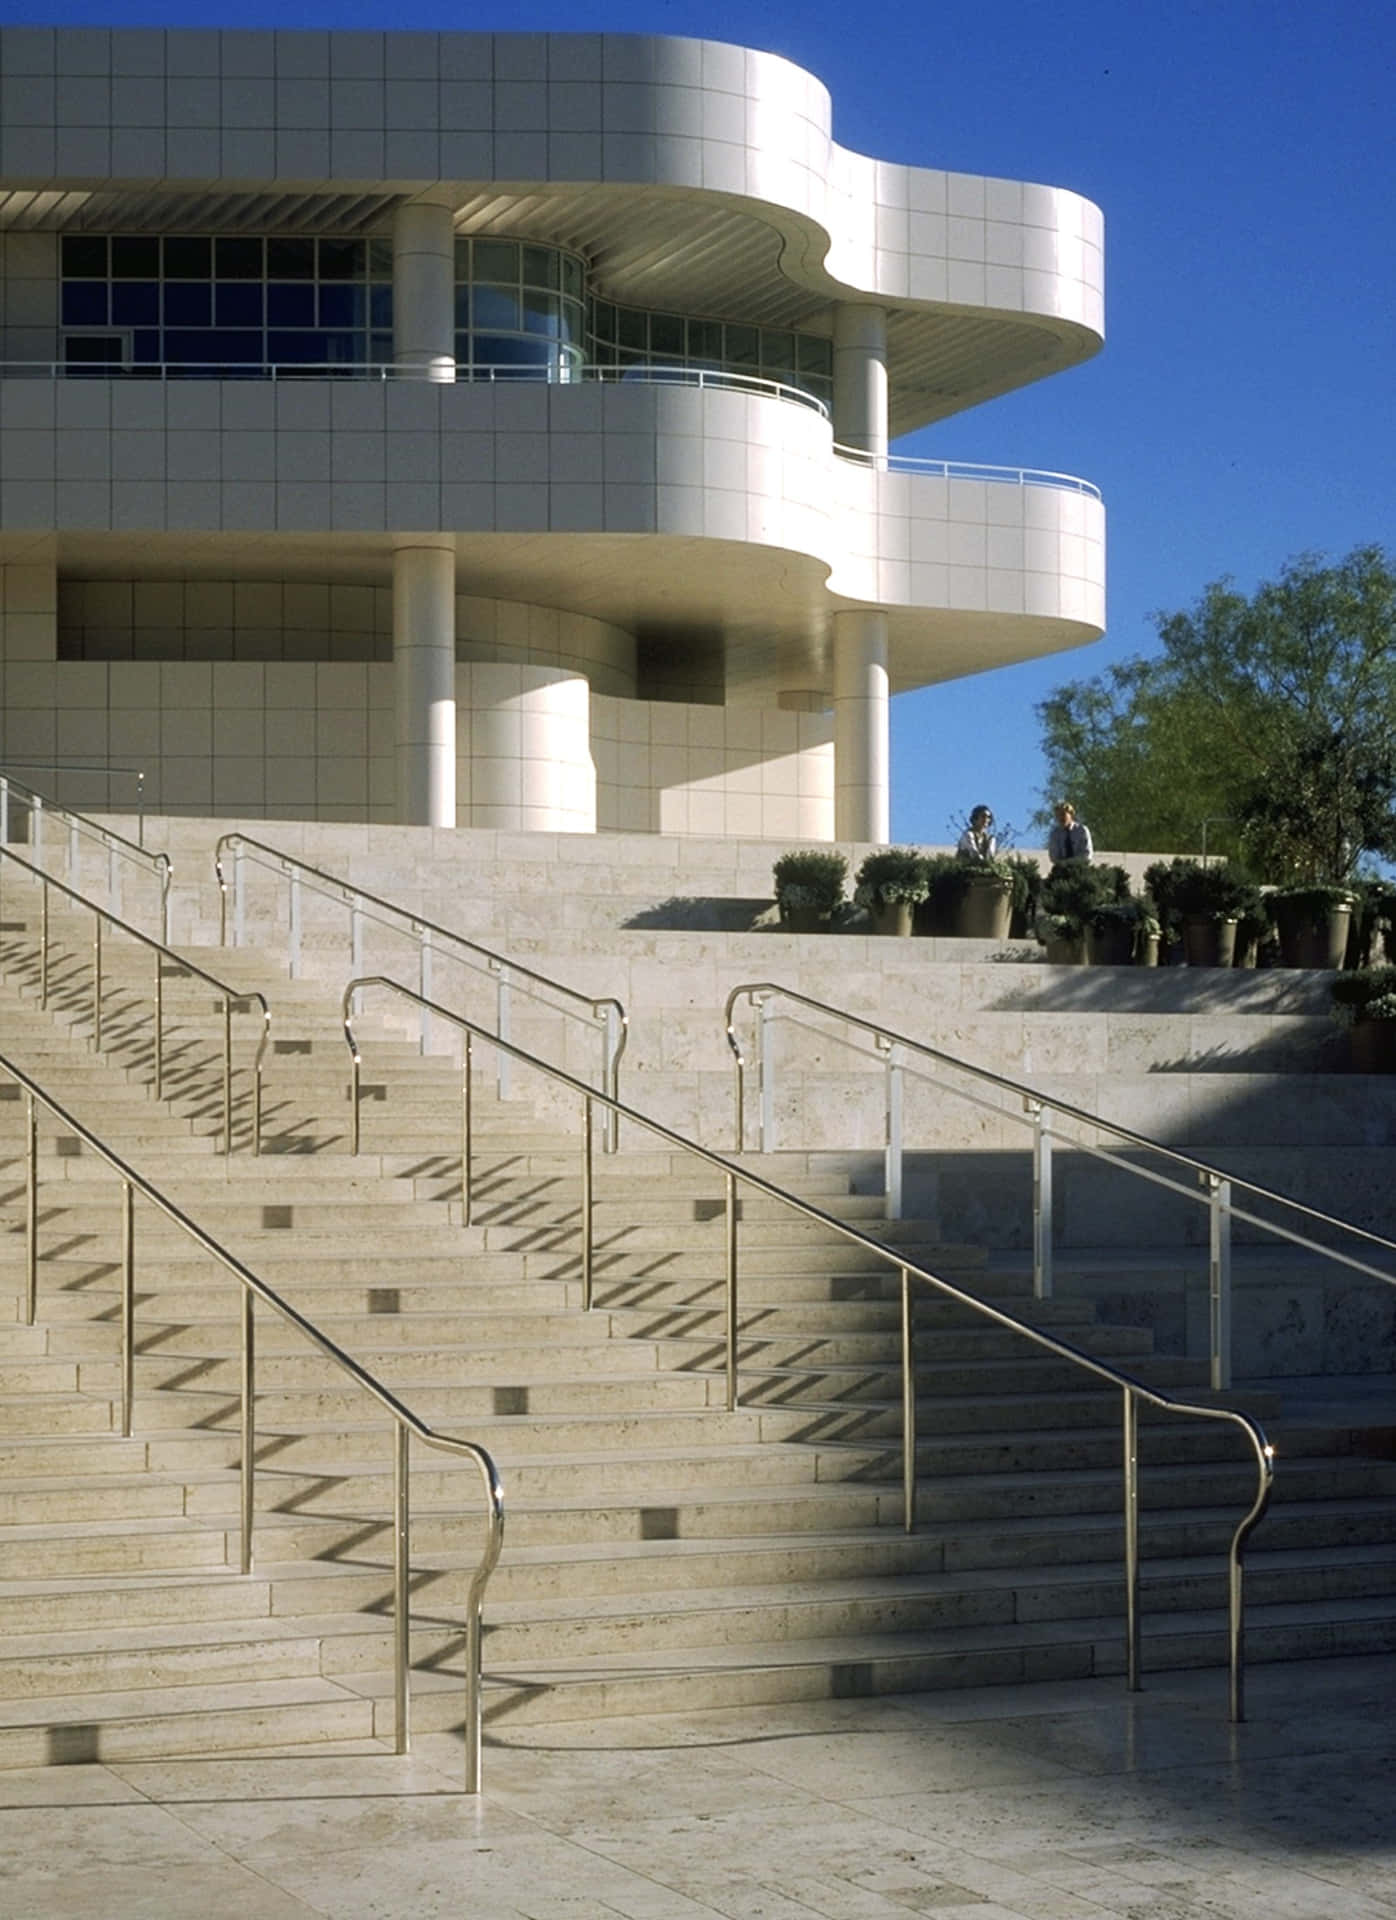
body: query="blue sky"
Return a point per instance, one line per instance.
(1242, 410)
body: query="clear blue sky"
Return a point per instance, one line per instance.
(1242, 410)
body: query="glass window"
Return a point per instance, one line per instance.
(632, 329)
(496, 261)
(290, 304)
(341, 306)
(299, 348)
(380, 306)
(743, 347)
(777, 352)
(135, 259)
(238, 259)
(84, 256)
(540, 267)
(705, 342)
(342, 259)
(135, 303)
(666, 334)
(380, 259)
(238, 305)
(572, 282)
(603, 320)
(542, 314)
(188, 259)
(495, 307)
(188, 303)
(85, 304)
(290, 259)
(816, 356)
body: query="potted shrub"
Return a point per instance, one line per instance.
(1111, 931)
(891, 884)
(984, 907)
(1312, 924)
(1365, 1003)
(1158, 884)
(1147, 935)
(809, 885)
(1027, 886)
(1073, 894)
(1209, 901)
(946, 878)
(1252, 927)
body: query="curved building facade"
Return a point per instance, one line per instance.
(494, 430)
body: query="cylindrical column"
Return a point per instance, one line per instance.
(861, 751)
(424, 292)
(860, 378)
(424, 675)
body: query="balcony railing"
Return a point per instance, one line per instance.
(967, 470)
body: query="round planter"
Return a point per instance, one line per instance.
(985, 909)
(1306, 942)
(1373, 1046)
(1247, 951)
(1146, 950)
(805, 920)
(1064, 953)
(894, 919)
(1111, 946)
(1209, 943)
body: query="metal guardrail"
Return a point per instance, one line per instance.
(1133, 1392)
(506, 373)
(163, 955)
(1038, 1113)
(111, 773)
(605, 1009)
(968, 470)
(405, 1422)
(118, 847)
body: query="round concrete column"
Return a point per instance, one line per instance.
(860, 378)
(424, 291)
(424, 683)
(860, 727)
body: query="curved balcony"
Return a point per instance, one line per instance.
(968, 470)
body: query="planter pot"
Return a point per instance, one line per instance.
(1306, 942)
(985, 909)
(1373, 1046)
(1110, 947)
(1146, 950)
(805, 920)
(894, 919)
(1065, 953)
(1209, 943)
(1247, 952)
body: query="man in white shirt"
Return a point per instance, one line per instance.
(1070, 838)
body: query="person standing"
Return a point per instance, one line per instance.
(1068, 838)
(977, 842)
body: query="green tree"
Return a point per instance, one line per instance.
(1274, 713)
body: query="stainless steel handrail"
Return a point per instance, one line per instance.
(464, 373)
(122, 773)
(1038, 1110)
(1133, 1391)
(968, 470)
(405, 1421)
(117, 845)
(163, 953)
(605, 1008)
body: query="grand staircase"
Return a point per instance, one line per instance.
(661, 1552)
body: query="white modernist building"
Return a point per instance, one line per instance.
(492, 429)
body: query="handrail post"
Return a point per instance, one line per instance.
(356, 941)
(97, 982)
(294, 916)
(4, 811)
(248, 1464)
(1041, 1199)
(424, 989)
(355, 1075)
(31, 1210)
(1219, 1278)
(586, 1204)
(140, 807)
(74, 856)
(892, 1131)
(128, 1306)
(43, 943)
(402, 1637)
(908, 1408)
(159, 1027)
(114, 892)
(36, 828)
(239, 909)
(227, 1073)
(501, 1031)
(766, 1075)
(731, 1291)
(465, 1130)
(1131, 1467)
(610, 1070)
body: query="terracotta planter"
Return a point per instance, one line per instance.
(985, 909)
(1146, 950)
(894, 919)
(1112, 946)
(1306, 942)
(1065, 953)
(1373, 1046)
(1209, 943)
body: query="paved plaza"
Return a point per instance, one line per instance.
(1061, 1802)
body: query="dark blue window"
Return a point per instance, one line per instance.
(291, 304)
(188, 304)
(85, 303)
(135, 303)
(238, 305)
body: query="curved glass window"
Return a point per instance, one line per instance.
(520, 311)
(633, 338)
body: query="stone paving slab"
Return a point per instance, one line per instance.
(1075, 1801)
